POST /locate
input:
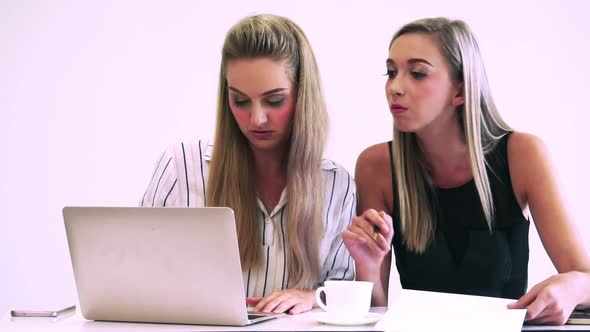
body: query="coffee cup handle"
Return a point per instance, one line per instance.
(318, 299)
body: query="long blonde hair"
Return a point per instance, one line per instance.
(481, 123)
(232, 173)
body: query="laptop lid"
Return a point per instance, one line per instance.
(160, 265)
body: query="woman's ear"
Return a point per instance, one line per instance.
(459, 98)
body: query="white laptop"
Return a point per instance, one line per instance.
(158, 265)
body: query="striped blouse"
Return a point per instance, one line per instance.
(179, 180)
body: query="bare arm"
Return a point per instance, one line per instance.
(371, 251)
(535, 184)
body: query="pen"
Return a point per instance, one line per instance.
(375, 232)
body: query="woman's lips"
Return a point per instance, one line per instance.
(261, 134)
(397, 109)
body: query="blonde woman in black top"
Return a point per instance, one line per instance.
(459, 184)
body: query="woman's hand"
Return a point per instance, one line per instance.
(368, 238)
(553, 300)
(294, 301)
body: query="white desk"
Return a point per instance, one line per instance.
(557, 328)
(75, 322)
(302, 322)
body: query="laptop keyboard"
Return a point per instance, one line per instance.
(254, 316)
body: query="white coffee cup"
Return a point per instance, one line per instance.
(345, 297)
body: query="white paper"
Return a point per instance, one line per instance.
(431, 311)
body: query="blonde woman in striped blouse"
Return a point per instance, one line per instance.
(266, 164)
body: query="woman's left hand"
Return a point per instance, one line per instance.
(292, 300)
(553, 300)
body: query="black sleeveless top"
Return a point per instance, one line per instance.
(464, 256)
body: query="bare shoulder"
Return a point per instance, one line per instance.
(373, 178)
(522, 145)
(373, 159)
(528, 159)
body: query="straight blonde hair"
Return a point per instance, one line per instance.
(481, 123)
(232, 181)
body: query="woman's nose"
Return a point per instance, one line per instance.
(394, 87)
(258, 116)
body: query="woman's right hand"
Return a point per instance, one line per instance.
(368, 238)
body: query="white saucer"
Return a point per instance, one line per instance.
(332, 319)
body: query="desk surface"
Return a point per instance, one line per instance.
(75, 322)
(302, 322)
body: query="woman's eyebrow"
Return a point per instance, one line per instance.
(269, 92)
(390, 61)
(236, 90)
(419, 60)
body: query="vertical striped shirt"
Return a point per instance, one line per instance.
(179, 180)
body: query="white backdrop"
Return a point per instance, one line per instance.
(91, 92)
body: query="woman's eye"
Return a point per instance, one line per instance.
(418, 74)
(240, 102)
(391, 73)
(275, 102)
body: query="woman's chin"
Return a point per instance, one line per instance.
(264, 145)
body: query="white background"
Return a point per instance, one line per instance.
(91, 92)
